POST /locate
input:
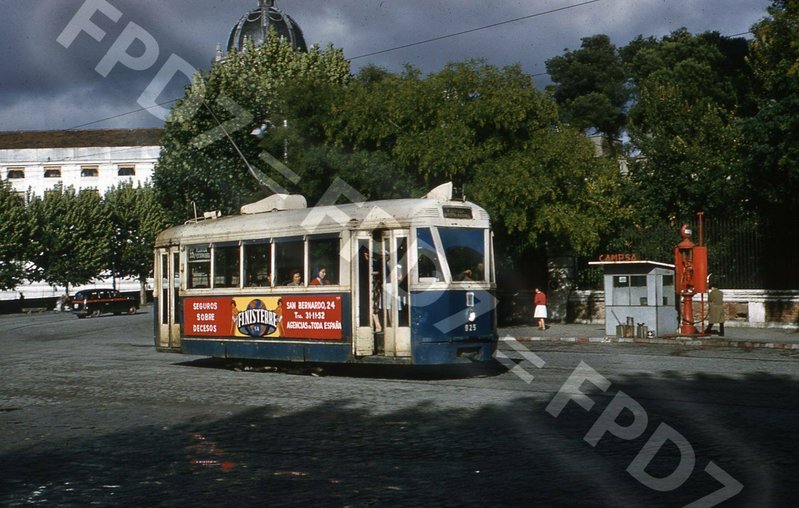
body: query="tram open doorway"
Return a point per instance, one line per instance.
(166, 296)
(382, 311)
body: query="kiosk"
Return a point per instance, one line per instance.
(640, 299)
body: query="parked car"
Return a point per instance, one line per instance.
(93, 302)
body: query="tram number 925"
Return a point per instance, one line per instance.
(470, 327)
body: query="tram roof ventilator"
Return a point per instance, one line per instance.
(280, 202)
(275, 203)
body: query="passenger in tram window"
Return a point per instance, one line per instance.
(466, 275)
(296, 279)
(321, 277)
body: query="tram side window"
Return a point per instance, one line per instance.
(198, 266)
(289, 258)
(323, 252)
(465, 252)
(257, 264)
(226, 266)
(429, 267)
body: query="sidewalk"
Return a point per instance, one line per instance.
(734, 336)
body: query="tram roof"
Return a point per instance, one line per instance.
(393, 213)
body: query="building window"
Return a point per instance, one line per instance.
(52, 171)
(90, 190)
(126, 171)
(89, 171)
(15, 173)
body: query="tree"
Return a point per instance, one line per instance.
(685, 125)
(69, 237)
(13, 237)
(773, 159)
(443, 126)
(198, 163)
(555, 194)
(136, 219)
(591, 88)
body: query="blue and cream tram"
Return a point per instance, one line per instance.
(408, 281)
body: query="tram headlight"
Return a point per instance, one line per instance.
(471, 315)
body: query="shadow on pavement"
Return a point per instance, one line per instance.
(374, 371)
(514, 454)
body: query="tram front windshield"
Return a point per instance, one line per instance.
(464, 249)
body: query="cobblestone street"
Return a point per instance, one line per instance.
(90, 413)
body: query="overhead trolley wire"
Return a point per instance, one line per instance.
(409, 45)
(492, 25)
(387, 50)
(121, 114)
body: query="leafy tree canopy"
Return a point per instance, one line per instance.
(137, 219)
(773, 133)
(685, 123)
(591, 87)
(198, 163)
(555, 193)
(69, 240)
(14, 231)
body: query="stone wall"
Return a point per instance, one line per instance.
(743, 307)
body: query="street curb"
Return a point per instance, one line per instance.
(683, 341)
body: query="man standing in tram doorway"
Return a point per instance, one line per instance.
(715, 300)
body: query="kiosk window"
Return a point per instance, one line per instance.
(638, 295)
(629, 290)
(668, 290)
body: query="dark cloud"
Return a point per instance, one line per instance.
(44, 85)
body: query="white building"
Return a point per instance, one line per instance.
(90, 160)
(86, 160)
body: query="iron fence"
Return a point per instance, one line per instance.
(742, 253)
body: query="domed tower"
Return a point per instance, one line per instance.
(255, 26)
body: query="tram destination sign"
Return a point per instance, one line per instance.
(457, 212)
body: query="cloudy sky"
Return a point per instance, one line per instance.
(58, 56)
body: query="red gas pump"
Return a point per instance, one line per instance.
(690, 262)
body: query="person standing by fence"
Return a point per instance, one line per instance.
(540, 308)
(715, 314)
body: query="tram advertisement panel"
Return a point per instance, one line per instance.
(264, 317)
